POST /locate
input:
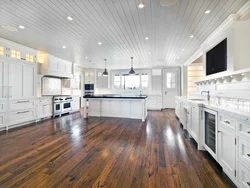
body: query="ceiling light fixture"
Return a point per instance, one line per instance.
(141, 5)
(132, 69)
(146, 38)
(105, 72)
(168, 3)
(182, 49)
(177, 57)
(21, 27)
(100, 43)
(149, 52)
(191, 36)
(86, 57)
(64, 47)
(69, 18)
(207, 11)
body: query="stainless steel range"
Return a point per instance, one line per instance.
(62, 105)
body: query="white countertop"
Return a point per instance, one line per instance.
(231, 112)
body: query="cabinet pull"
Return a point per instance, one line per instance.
(22, 112)
(22, 101)
(248, 132)
(248, 183)
(226, 121)
(248, 155)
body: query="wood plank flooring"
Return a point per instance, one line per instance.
(106, 152)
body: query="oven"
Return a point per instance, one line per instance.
(89, 89)
(57, 108)
(66, 106)
(210, 131)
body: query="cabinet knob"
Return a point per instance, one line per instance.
(248, 183)
(248, 155)
(248, 132)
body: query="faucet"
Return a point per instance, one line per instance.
(208, 94)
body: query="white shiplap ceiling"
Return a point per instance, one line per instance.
(119, 24)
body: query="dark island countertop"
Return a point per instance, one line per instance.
(115, 96)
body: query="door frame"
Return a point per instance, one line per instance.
(163, 82)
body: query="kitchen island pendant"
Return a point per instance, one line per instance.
(105, 72)
(132, 69)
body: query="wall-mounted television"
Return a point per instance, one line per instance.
(216, 58)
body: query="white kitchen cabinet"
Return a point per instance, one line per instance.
(227, 151)
(3, 106)
(94, 107)
(106, 108)
(115, 108)
(22, 116)
(76, 104)
(3, 120)
(125, 108)
(44, 108)
(53, 66)
(21, 80)
(244, 176)
(154, 102)
(194, 125)
(3, 79)
(177, 108)
(101, 81)
(136, 109)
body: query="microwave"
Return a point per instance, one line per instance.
(89, 87)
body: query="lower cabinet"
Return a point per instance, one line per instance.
(227, 151)
(22, 116)
(243, 176)
(76, 104)
(44, 110)
(3, 120)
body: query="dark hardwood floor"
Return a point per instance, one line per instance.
(106, 152)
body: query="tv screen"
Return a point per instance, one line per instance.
(216, 58)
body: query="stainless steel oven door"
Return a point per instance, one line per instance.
(57, 108)
(66, 106)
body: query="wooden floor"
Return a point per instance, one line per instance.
(106, 152)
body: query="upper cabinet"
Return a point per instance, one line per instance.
(53, 66)
(89, 76)
(101, 80)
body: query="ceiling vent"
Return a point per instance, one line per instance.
(168, 3)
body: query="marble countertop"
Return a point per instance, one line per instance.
(231, 112)
(117, 96)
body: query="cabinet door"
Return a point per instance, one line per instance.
(3, 120)
(52, 64)
(106, 109)
(61, 66)
(115, 108)
(39, 111)
(227, 151)
(28, 81)
(47, 110)
(125, 108)
(68, 66)
(194, 122)
(3, 80)
(15, 88)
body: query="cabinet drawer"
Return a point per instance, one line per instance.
(22, 116)
(244, 129)
(21, 104)
(44, 101)
(244, 176)
(244, 151)
(2, 106)
(227, 122)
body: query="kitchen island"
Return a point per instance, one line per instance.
(134, 107)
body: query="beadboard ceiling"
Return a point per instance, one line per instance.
(119, 24)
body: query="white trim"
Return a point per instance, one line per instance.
(195, 56)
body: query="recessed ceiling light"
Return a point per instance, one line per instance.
(21, 27)
(182, 49)
(69, 18)
(146, 38)
(207, 11)
(174, 62)
(191, 36)
(86, 57)
(99, 43)
(141, 5)
(177, 57)
(149, 52)
(64, 47)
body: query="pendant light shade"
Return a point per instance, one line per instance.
(132, 69)
(105, 72)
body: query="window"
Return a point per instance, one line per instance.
(117, 81)
(1, 50)
(15, 54)
(144, 81)
(29, 58)
(171, 80)
(130, 81)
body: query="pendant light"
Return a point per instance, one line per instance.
(105, 72)
(132, 69)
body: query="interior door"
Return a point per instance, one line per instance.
(171, 87)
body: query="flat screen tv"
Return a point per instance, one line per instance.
(216, 58)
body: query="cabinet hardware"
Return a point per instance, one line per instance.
(22, 101)
(248, 183)
(219, 132)
(248, 132)
(235, 141)
(226, 121)
(235, 173)
(22, 112)
(248, 155)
